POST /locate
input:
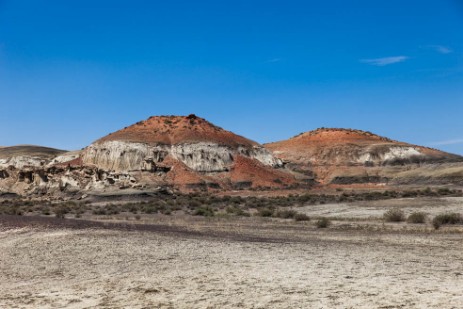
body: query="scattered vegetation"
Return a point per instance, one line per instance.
(61, 211)
(394, 215)
(286, 214)
(201, 204)
(234, 210)
(204, 211)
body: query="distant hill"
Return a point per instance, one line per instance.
(188, 153)
(29, 150)
(348, 155)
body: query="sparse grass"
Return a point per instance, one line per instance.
(237, 211)
(394, 215)
(286, 214)
(202, 203)
(99, 211)
(204, 211)
(417, 217)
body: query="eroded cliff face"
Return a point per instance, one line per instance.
(377, 155)
(60, 180)
(55, 173)
(114, 165)
(121, 156)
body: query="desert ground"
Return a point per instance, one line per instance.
(241, 262)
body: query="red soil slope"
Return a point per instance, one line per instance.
(311, 144)
(172, 130)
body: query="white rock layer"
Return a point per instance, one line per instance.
(122, 156)
(393, 153)
(22, 161)
(66, 157)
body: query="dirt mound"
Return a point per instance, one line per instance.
(251, 173)
(338, 135)
(29, 150)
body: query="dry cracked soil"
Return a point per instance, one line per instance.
(227, 263)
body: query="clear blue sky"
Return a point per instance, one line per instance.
(73, 71)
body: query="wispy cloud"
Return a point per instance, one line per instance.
(380, 62)
(441, 49)
(271, 60)
(448, 142)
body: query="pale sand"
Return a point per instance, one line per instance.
(47, 268)
(375, 209)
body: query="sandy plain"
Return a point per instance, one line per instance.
(190, 262)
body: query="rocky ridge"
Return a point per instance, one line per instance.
(185, 153)
(188, 153)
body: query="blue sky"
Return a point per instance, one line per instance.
(73, 71)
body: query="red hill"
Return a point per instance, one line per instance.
(171, 130)
(331, 154)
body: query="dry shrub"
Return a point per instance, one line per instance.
(394, 215)
(323, 223)
(447, 218)
(286, 214)
(265, 212)
(417, 217)
(204, 211)
(301, 217)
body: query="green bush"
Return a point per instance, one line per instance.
(204, 211)
(394, 215)
(444, 191)
(417, 217)
(447, 218)
(265, 212)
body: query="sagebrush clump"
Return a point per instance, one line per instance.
(286, 214)
(301, 217)
(417, 217)
(447, 218)
(323, 223)
(394, 215)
